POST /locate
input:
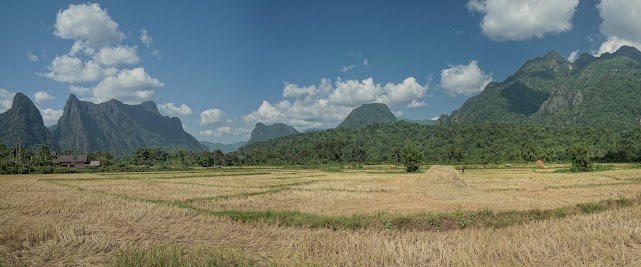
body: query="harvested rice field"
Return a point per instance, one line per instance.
(377, 216)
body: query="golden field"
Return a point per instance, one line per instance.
(285, 217)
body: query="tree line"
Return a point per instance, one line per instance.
(376, 144)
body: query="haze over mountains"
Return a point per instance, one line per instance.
(549, 91)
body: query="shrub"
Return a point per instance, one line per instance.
(580, 159)
(411, 158)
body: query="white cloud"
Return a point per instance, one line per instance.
(416, 104)
(408, 91)
(614, 43)
(434, 118)
(42, 96)
(71, 69)
(114, 56)
(365, 62)
(347, 68)
(89, 23)
(80, 91)
(207, 133)
(31, 57)
(398, 113)
(51, 116)
(621, 24)
(130, 86)
(6, 99)
(521, 20)
(95, 56)
(172, 110)
(211, 117)
(226, 130)
(308, 106)
(145, 38)
(464, 80)
(573, 56)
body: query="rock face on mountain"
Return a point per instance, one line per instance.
(263, 133)
(366, 115)
(600, 91)
(23, 124)
(119, 128)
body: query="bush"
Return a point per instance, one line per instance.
(411, 158)
(580, 159)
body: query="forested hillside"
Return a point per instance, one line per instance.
(600, 91)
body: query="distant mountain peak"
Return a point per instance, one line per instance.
(263, 132)
(23, 123)
(553, 55)
(22, 103)
(368, 114)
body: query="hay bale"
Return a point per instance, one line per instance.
(441, 176)
(539, 164)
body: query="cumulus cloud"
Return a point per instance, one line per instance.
(129, 86)
(145, 38)
(621, 24)
(172, 110)
(327, 104)
(31, 57)
(51, 116)
(6, 99)
(573, 56)
(505, 20)
(89, 23)
(42, 96)
(71, 69)
(211, 117)
(96, 56)
(118, 55)
(464, 80)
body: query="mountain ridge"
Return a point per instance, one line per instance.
(119, 128)
(600, 91)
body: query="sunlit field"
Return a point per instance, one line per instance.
(379, 215)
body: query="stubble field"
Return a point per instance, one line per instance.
(286, 217)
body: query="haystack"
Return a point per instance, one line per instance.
(539, 164)
(439, 182)
(441, 176)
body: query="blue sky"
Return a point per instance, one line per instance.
(222, 66)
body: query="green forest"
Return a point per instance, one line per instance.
(457, 143)
(375, 144)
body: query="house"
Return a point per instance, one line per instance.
(74, 161)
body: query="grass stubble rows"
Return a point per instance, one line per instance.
(501, 217)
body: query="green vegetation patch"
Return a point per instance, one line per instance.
(176, 256)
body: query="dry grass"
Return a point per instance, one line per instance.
(80, 220)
